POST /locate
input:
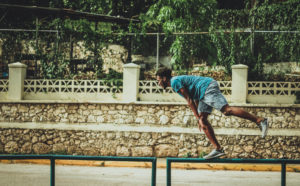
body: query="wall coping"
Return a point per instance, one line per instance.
(239, 66)
(140, 103)
(17, 65)
(109, 127)
(131, 65)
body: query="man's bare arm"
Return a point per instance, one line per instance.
(196, 103)
(190, 101)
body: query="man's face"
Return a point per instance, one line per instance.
(162, 81)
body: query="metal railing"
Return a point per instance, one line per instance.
(52, 159)
(283, 163)
(153, 160)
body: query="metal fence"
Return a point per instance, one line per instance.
(52, 159)
(153, 160)
(283, 163)
(154, 47)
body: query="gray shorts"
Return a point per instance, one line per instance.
(213, 98)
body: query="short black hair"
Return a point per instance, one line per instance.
(164, 72)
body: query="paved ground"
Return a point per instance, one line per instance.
(38, 175)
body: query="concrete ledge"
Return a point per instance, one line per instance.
(145, 128)
(142, 103)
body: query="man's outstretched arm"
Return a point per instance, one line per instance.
(190, 102)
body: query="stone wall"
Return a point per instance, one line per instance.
(150, 114)
(92, 143)
(159, 130)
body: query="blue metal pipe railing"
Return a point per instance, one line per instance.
(52, 159)
(283, 163)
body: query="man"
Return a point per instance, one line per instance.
(202, 95)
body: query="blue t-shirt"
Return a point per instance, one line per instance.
(195, 85)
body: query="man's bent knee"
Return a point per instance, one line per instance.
(204, 122)
(227, 110)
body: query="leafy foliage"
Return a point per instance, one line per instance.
(284, 16)
(180, 16)
(51, 50)
(220, 47)
(252, 48)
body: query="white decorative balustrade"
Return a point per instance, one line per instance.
(3, 85)
(3, 88)
(100, 90)
(272, 92)
(71, 89)
(71, 86)
(225, 87)
(239, 90)
(152, 87)
(151, 91)
(273, 88)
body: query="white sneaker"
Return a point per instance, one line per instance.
(264, 127)
(214, 154)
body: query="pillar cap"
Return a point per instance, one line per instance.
(131, 65)
(17, 65)
(239, 66)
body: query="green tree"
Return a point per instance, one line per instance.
(254, 49)
(182, 16)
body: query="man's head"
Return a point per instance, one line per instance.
(163, 76)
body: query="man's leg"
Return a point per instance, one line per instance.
(208, 130)
(262, 123)
(235, 111)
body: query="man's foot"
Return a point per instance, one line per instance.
(264, 127)
(214, 154)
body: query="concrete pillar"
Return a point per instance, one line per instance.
(131, 77)
(239, 83)
(17, 75)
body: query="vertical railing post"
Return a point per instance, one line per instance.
(239, 83)
(52, 171)
(168, 172)
(153, 180)
(283, 173)
(131, 77)
(17, 75)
